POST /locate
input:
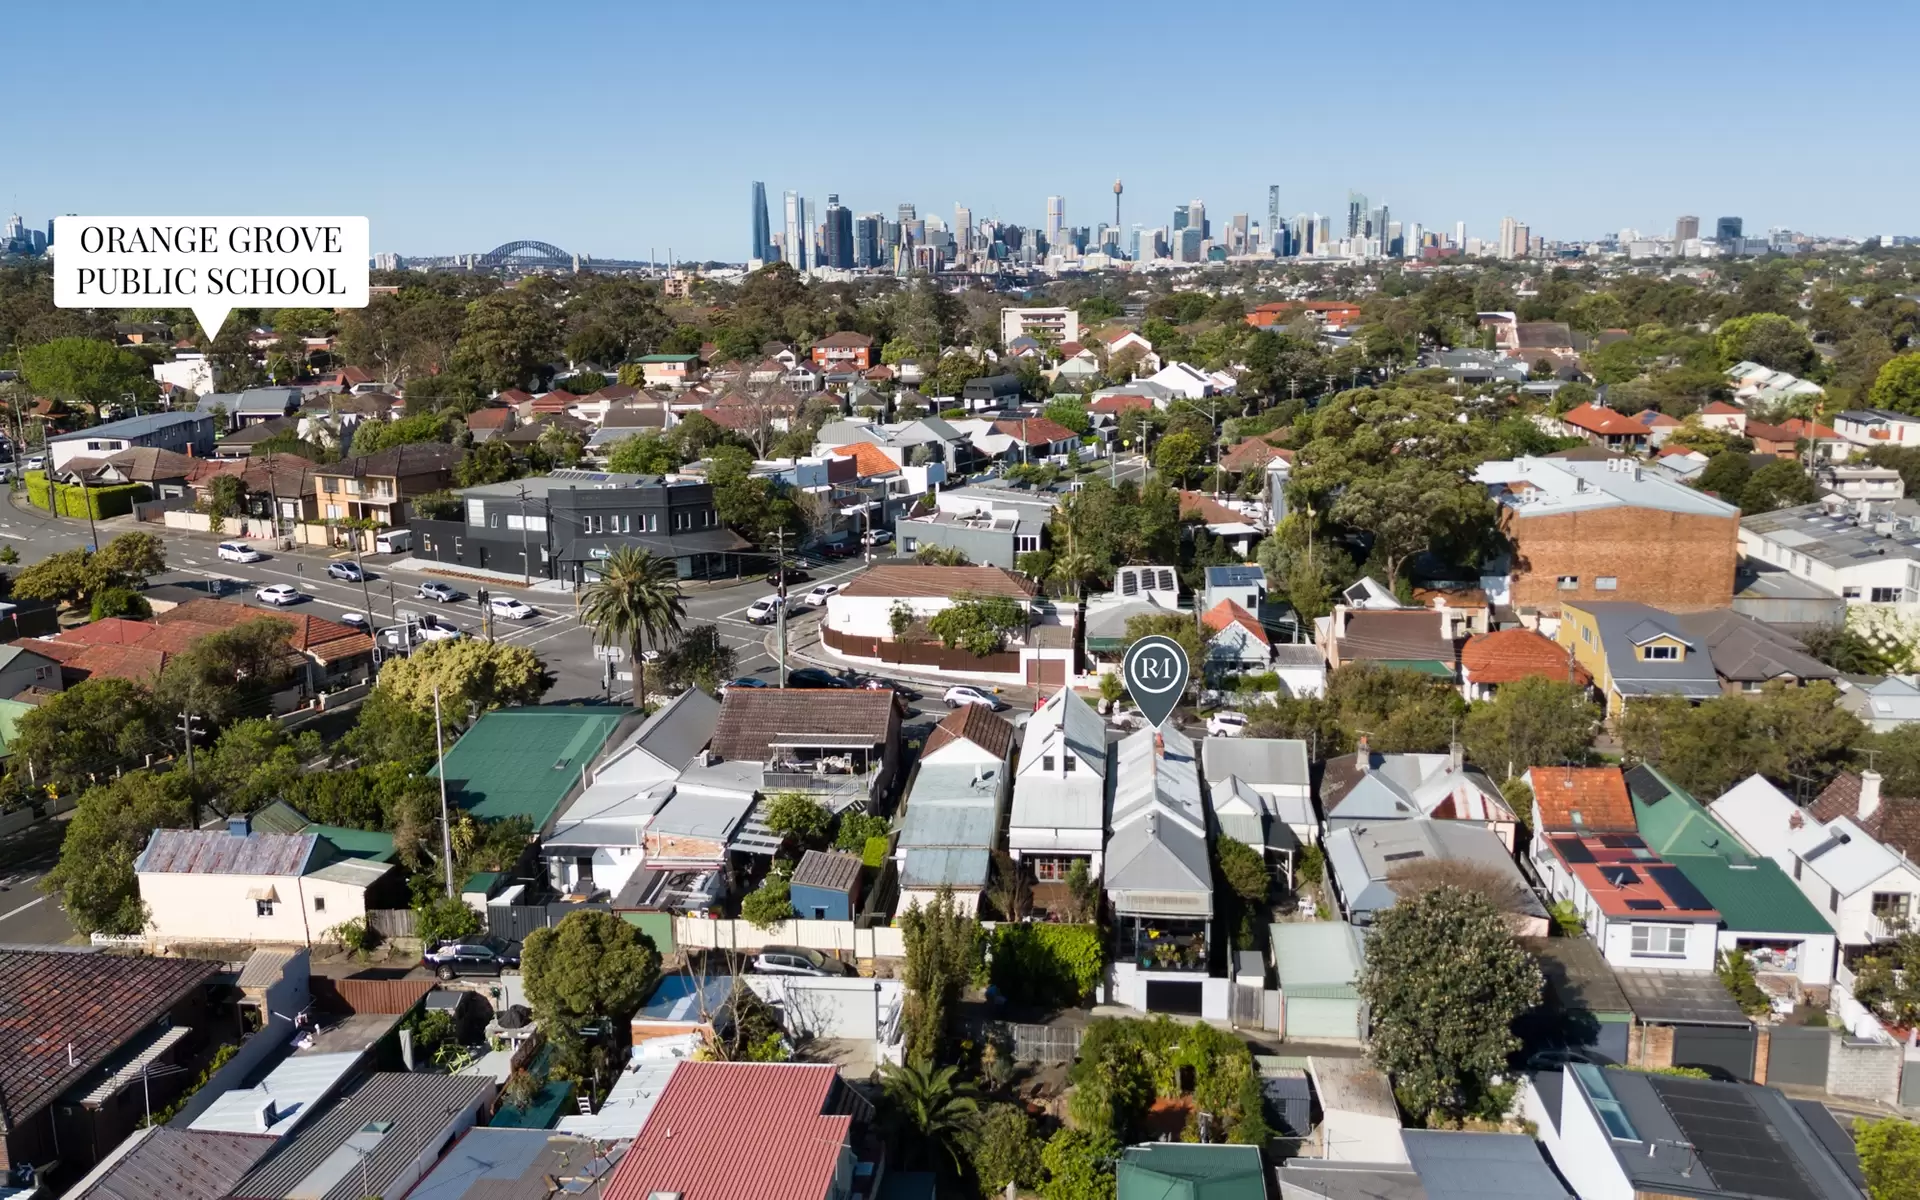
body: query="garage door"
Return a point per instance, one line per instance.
(1169, 996)
(1046, 672)
(1797, 1054)
(1309, 1018)
(1715, 1048)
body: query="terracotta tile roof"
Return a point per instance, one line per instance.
(1197, 506)
(1653, 418)
(555, 401)
(328, 641)
(1035, 431)
(1800, 427)
(880, 374)
(1594, 419)
(1896, 822)
(489, 418)
(738, 1131)
(1720, 408)
(138, 663)
(615, 393)
(1841, 798)
(1252, 454)
(938, 581)
(973, 723)
(1598, 794)
(1510, 655)
(94, 1003)
(514, 396)
(1122, 402)
(1228, 613)
(112, 631)
(845, 340)
(868, 459)
(752, 718)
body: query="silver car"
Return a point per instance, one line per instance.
(796, 960)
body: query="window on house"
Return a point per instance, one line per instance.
(1051, 870)
(1750, 685)
(263, 908)
(459, 545)
(1046, 762)
(1798, 862)
(319, 904)
(1586, 634)
(1569, 583)
(1660, 941)
(1886, 595)
(493, 520)
(1661, 652)
(1892, 906)
(1069, 763)
(1606, 583)
(1833, 900)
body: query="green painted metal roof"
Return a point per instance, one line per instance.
(666, 358)
(1751, 893)
(370, 845)
(10, 713)
(1677, 823)
(1425, 666)
(522, 762)
(1187, 1171)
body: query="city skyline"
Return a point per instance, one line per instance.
(446, 156)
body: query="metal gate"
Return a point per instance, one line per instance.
(1046, 672)
(1174, 996)
(1720, 1049)
(1797, 1054)
(1249, 1006)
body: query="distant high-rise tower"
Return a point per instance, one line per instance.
(1056, 218)
(908, 215)
(1197, 219)
(963, 231)
(762, 230)
(1686, 229)
(839, 248)
(1460, 236)
(1273, 217)
(1180, 217)
(1323, 232)
(1117, 189)
(1356, 215)
(1727, 229)
(1510, 246)
(798, 236)
(868, 232)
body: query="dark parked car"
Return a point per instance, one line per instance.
(745, 681)
(814, 677)
(794, 575)
(839, 550)
(470, 958)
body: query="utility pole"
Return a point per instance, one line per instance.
(446, 829)
(86, 498)
(187, 731)
(526, 553)
(780, 613)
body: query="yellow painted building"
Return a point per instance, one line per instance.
(1634, 650)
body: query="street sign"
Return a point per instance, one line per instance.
(623, 676)
(1155, 671)
(610, 653)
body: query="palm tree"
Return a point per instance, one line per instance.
(635, 601)
(928, 1104)
(1073, 568)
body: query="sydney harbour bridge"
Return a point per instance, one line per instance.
(527, 256)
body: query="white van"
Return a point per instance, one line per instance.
(238, 552)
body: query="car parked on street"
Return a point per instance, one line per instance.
(793, 575)
(439, 593)
(347, 570)
(764, 610)
(957, 696)
(1226, 724)
(834, 550)
(510, 608)
(815, 677)
(279, 593)
(818, 597)
(745, 681)
(878, 537)
(355, 620)
(451, 959)
(797, 960)
(238, 552)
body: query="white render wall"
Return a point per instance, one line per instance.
(216, 908)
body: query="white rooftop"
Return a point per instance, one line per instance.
(1558, 485)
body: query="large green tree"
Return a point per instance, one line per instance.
(1706, 748)
(1897, 386)
(700, 658)
(85, 371)
(942, 944)
(1444, 981)
(509, 338)
(932, 1108)
(1531, 722)
(471, 675)
(230, 673)
(1889, 1152)
(110, 827)
(636, 604)
(87, 734)
(592, 969)
(1769, 339)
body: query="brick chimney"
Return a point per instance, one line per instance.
(1363, 755)
(1869, 794)
(1458, 754)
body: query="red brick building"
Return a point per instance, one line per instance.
(844, 348)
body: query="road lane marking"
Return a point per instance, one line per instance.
(24, 907)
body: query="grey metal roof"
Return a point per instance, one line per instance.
(1159, 839)
(835, 870)
(679, 729)
(928, 825)
(512, 1164)
(267, 965)
(132, 427)
(1838, 539)
(1623, 624)
(1075, 801)
(161, 1163)
(1578, 976)
(1745, 650)
(1313, 1179)
(217, 852)
(1259, 761)
(960, 869)
(1481, 1166)
(1316, 954)
(341, 1155)
(701, 814)
(1364, 857)
(1559, 485)
(1678, 997)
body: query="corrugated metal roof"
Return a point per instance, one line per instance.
(158, 1163)
(513, 1164)
(522, 762)
(1315, 954)
(834, 870)
(1481, 1166)
(217, 852)
(295, 1087)
(418, 1112)
(959, 869)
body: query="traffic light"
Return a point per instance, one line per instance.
(483, 597)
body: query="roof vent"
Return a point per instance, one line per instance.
(264, 1116)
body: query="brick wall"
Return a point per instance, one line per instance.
(1650, 1047)
(1669, 560)
(1865, 1070)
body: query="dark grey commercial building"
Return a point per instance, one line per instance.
(560, 526)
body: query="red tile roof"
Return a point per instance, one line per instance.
(328, 641)
(752, 719)
(1035, 431)
(1510, 655)
(1195, 506)
(1720, 408)
(738, 1131)
(1800, 427)
(87, 1006)
(556, 401)
(1252, 454)
(1228, 613)
(1624, 884)
(1122, 402)
(514, 396)
(845, 340)
(489, 418)
(1597, 794)
(974, 723)
(1653, 418)
(1595, 419)
(868, 459)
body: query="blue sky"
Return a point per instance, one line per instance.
(612, 128)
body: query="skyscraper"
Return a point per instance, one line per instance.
(907, 214)
(1686, 228)
(1180, 217)
(1510, 247)
(1460, 236)
(814, 239)
(963, 231)
(1056, 218)
(1197, 219)
(868, 232)
(798, 236)
(1237, 234)
(1323, 233)
(1300, 239)
(1356, 215)
(762, 230)
(839, 235)
(1727, 229)
(1273, 216)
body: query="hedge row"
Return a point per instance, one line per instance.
(71, 500)
(1056, 966)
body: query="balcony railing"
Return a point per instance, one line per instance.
(1886, 927)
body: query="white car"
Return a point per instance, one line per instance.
(355, 620)
(818, 597)
(238, 552)
(279, 593)
(764, 610)
(957, 696)
(878, 537)
(1226, 724)
(508, 607)
(439, 631)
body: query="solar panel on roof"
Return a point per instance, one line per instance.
(1639, 905)
(1735, 1142)
(1622, 841)
(1620, 876)
(1574, 850)
(1679, 889)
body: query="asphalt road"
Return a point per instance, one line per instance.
(27, 915)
